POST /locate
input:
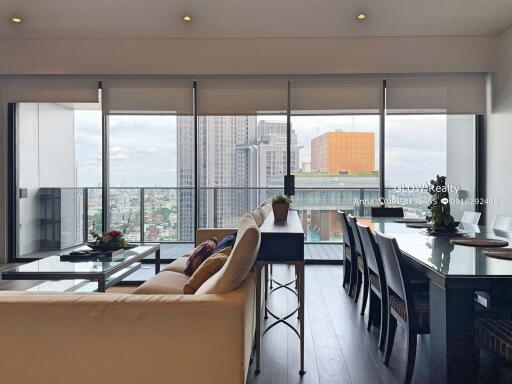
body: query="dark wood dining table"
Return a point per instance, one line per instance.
(455, 274)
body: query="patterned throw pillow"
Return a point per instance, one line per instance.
(200, 254)
(206, 270)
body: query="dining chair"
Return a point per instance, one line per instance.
(387, 212)
(408, 305)
(378, 312)
(502, 223)
(495, 337)
(362, 268)
(470, 217)
(349, 255)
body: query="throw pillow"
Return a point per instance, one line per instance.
(206, 270)
(200, 254)
(228, 241)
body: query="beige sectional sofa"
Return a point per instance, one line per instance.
(135, 338)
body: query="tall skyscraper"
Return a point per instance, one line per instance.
(340, 152)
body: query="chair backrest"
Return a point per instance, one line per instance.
(502, 223)
(387, 212)
(393, 265)
(352, 221)
(371, 250)
(348, 236)
(470, 217)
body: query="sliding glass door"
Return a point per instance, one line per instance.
(59, 157)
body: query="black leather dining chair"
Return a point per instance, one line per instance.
(362, 268)
(495, 337)
(408, 305)
(349, 255)
(387, 212)
(378, 313)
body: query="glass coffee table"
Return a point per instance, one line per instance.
(87, 275)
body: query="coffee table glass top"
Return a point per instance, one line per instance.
(54, 264)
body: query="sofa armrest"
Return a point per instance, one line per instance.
(119, 338)
(203, 234)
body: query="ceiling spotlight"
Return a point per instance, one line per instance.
(187, 19)
(16, 19)
(361, 16)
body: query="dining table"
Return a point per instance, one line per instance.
(457, 275)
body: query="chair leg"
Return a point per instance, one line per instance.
(390, 339)
(412, 340)
(366, 287)
(371, 310)
(384, 317)
(359, 282)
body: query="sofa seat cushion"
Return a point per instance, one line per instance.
(177, 265)
(166, 282)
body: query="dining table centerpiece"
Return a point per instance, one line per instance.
(440, 218)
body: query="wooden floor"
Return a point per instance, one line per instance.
(338, 348)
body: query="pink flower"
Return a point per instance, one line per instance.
(114, 233)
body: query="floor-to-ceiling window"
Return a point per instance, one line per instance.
(335, 125)
(151, 158)
(242, 152)
(430, 131)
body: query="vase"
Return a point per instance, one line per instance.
(280, 211)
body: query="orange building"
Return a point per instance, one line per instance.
(336, 152)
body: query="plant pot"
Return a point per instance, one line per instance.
(280, 211)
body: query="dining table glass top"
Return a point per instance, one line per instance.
(439, 254)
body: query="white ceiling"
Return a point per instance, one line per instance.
(251, 18)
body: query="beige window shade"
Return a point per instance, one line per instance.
(48, 89)
(249, 96)
(445, 93)
(336, 95)
(149, 95)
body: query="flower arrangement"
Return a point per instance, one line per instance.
(109, 241)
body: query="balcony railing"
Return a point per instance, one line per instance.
(167, 214)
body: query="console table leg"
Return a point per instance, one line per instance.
(101, 284)
(266, 290)
(301, 315)
(258, 316)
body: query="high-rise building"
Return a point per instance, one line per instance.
(343, 152)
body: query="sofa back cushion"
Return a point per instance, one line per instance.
(239, 264)
(259, 216)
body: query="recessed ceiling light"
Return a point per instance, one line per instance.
(16, 19)
(361, 16)
(187, 18)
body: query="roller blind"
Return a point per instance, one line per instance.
(148, 95)
(336, 95)
(445, 93)
(48, 89)
(234, 96)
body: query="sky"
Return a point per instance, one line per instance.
(143, 148)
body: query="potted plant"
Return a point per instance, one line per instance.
(280, 207)
(440, 217)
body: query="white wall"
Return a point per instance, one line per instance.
(499, 131)
(249, 56)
